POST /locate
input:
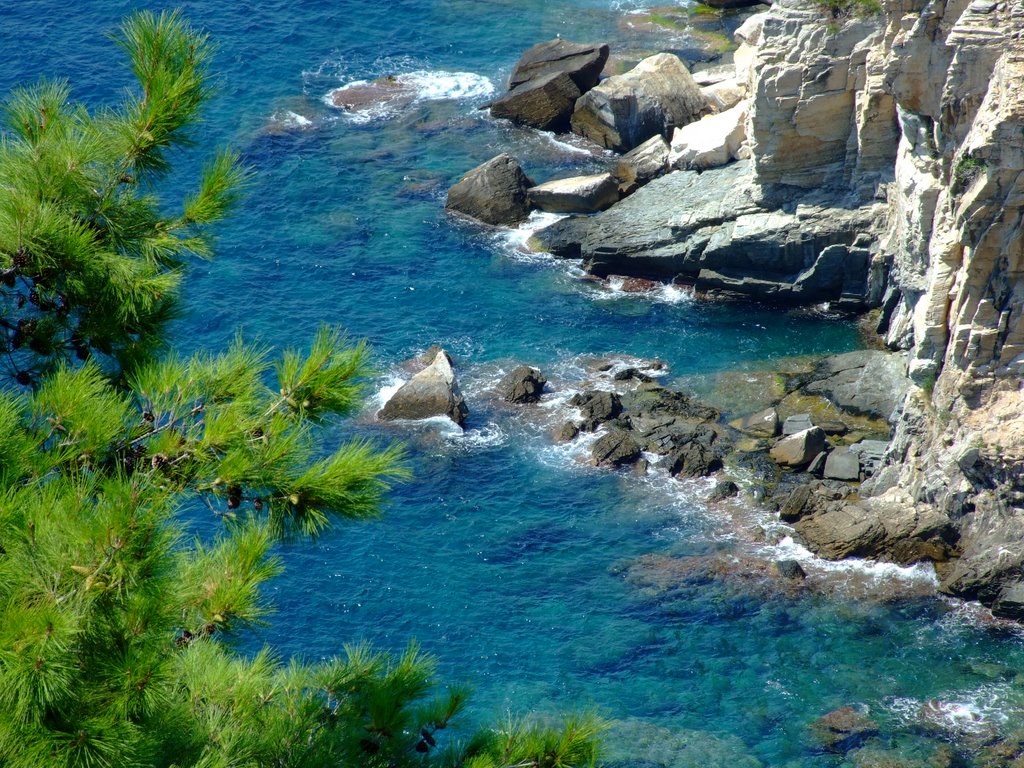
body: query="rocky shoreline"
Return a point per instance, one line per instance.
(876, 164)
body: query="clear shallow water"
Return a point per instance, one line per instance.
(506, 557)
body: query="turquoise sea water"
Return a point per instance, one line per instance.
(540, 580)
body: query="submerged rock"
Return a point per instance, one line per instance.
(494, 192)
(433, 391)
(843, 729)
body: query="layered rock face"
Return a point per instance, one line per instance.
(922, 106)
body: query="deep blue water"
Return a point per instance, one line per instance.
(507, 557)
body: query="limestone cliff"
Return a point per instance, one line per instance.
(922, 105)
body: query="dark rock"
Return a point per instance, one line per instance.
(625, 110)
(790, 569)
(843, 729)
(793, 507)
(615, 449)
(1010, 603)
(631, 374)
(494, 193)
(796, 423)
(797, 450)
(706, 228)
(871, 453)
(694, 460)
(986, 563)
(843, 464)
(581, 62)
(433, 391)
(817, 465)
(596, 407)
(651, 398)
(545, 103)
(566, 433)
(725, 489)
(580, 194)
(522, 385)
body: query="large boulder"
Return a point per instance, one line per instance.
(797, 450)
(433, 391)
(616, 448)
(581, 62)
(625, 110)
(710, 142)
(494, 193)
(545, 103)
(761, 424)
(522, 385)
(596, 407)
(579, 194)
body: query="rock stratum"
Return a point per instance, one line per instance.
(919, 109)
(881, 166)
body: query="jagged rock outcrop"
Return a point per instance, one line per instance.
(547, 81)
(705, 228)
(433, 391)
(919, 106)
(494, 192)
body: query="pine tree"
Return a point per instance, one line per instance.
(115, 627)
(89, 264)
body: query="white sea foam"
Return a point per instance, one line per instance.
(663, 293)
(488, 436)
(565, 145)
(515, 239)
(291, 121)
(972, 711)
(414, 87)
(440, 85)
(875, 570)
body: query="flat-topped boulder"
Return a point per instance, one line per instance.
(579, 194)
(624, 111)
(493, 192)
(798, 450)
(582, 62)
(432, 392)
(866, 382)
(706, 229)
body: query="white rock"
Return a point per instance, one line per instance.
(710, 142)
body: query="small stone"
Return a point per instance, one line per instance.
(794, 505)
(522, 385)
(817, 465)
(726, 489)
(761, 424)
(566, 433)
(790, 569)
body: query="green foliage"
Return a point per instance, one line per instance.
(89, 263)
(116, 627)
(838, 10)
(967, 169)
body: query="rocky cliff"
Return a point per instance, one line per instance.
(921, 106)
